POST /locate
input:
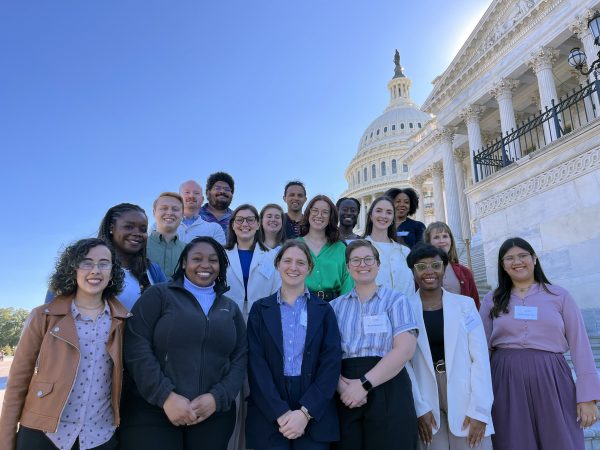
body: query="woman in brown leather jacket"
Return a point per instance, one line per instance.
(64, 384)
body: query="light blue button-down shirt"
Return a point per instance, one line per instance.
(294, 320)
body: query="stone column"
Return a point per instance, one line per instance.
(438, 193)
(581, 30)
(459, 156)
(471, 115)
(503, 92)
(363, 214)
(541, 63)
(417, 183)
(446, 136)
(588, 102)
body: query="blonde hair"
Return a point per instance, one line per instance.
(441, 226)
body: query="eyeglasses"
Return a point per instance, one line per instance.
(89, 265)
(368, 260)
(319, 212)
(422, 267)
(221, 188)
(250, 220)
(512, 258)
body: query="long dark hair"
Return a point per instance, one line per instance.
(331, 231)
(221, 281)
(139, 262)
(64, 279)
(232, 237)
(280, 237)
(391, 230)
(502, 293)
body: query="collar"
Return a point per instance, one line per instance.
(75, 311)
(61, 306)
(306, 295)
(353, 295)
(157, 235)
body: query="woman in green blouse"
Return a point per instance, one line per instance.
(329, 278)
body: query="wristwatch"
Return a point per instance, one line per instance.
(305, 412)
(366, 384)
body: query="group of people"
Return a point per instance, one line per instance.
(232, 329)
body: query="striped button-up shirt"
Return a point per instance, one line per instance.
(294, 319)
(388, 309)
(88, 414)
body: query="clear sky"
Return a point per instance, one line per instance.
(103, 102)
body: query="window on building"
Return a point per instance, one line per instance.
(404, 167)
(419, 124)
(377, 131)
(373, 171)
(358, 176)
(410, 125)
(385, 129)
(393, 127)
(365, 174)
(394, 168)
(402, 126)
(371, 134)
(383, 168)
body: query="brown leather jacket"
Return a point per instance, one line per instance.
(45, 366)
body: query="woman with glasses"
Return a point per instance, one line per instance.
(452, 386)
(293, 362)
(406, 203)
(186, 352)
(378, 329)
(381, 231)
(458, 279)
(530, 323)
(329, 278)
(271, 232)
(64, 384)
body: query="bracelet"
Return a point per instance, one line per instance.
(305, 412)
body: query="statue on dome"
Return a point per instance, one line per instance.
(397, 58)
(398, 69)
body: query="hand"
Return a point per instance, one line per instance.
(342, 384)
(426, 425)
(354, 394)
(587, 414)
(294, 423)
(204, 406)
(476, 431)
(179, 410)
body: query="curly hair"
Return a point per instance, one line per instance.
(412, 195)
(64, 279)
(139, 263)
(221, 281)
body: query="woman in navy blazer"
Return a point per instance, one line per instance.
(294, 355)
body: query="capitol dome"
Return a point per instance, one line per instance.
(379, 161)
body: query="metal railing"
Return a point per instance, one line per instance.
(569, 113)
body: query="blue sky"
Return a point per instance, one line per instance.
(113, 101)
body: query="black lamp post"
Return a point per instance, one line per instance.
(577, 57)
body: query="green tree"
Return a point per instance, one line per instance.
(11, 324)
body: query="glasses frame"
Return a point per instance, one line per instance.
(352, 261)
(93, 264)
(513, 258)
(240, 220)
(422, 267)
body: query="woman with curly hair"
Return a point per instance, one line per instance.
(64, 385)
(406, 203)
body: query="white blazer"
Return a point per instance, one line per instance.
(263, 278)
(394, 272)
(467, 365)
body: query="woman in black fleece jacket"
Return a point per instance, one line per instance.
(185, 351)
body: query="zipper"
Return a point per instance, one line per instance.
(74, 378)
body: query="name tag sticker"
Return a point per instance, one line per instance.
(526, 312)
(402, 233)
(304, 318)
(471, 322)
(375, 324)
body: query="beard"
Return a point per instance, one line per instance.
(220, 203)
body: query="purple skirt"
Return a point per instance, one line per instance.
(534, 401)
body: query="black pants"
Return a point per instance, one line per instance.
(30, 439)
(157, 433)
(387, 421)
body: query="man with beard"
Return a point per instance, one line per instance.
(219, 190)
(348, 210)
(294, 195)
(193, 225)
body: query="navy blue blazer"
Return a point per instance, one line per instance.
(321, 367)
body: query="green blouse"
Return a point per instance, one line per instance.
(330, 273)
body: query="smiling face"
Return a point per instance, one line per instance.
(130, 232)
(192, 197)
(431, 276)
(220, 196)
(362, 265)
(201, 264)
(245, 225)
(92, 282)
(272, 220)
(518, 263)
(382, 215)
(168, 213)
(293, 268)
(348, 212)
(402, 204)
(319, 214)
(441, 239)
(295, 197)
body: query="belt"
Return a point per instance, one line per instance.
(440, 366)
(326, 295)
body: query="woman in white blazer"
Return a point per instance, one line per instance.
(452, 385)
(251, 274)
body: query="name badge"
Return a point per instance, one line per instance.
(402, 233)
(375, 324)
(304, 318)
(526, 312)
